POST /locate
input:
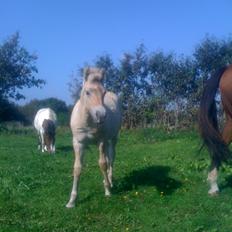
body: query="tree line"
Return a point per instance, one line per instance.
(157, 88)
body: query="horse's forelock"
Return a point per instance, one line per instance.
(93, 75)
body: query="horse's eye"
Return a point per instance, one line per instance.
(87, 93)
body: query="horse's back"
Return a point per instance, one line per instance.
(42, 114)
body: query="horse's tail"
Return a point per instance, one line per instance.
(208, 123)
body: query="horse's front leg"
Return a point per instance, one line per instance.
(103, 166)
(78, 149)
(110, 161)
(53, 147)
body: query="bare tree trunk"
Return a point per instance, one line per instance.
(176, 113)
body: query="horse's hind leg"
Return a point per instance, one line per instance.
(212, 179)
(227, 131)
(103, 166)
(42, 141)
(53, 146)
(78, 148)
(213, 174)
(39, 142)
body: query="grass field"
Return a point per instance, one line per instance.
(160, 185)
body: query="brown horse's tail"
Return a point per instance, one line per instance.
(208, 123)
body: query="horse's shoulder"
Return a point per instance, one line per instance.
(75, 115)
(111, 99)
(76, 106)
(111, 94)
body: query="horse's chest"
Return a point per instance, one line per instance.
(90, 135)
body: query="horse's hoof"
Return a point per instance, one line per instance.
(213, 194)
(70, 205)
(107, 194)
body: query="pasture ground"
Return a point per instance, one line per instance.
(160, 185)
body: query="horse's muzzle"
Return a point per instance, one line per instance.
(99, 114)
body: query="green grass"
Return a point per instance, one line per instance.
(160, 185)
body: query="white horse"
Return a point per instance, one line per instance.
(95, 117)
(45, 124)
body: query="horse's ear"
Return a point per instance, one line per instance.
(86, 73)
(102, 71)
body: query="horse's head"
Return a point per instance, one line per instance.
(92, 94)
(49, 134)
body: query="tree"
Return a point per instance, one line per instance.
(162, 88)
(135, 86)
(61, 109)
(171, 80)
(10, 112)
(111, 73)
(210, 55)
(75, 85)
(17, 69)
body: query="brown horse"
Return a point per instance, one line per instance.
(216, 142)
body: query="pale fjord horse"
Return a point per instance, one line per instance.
(95, 117)
(45, 124)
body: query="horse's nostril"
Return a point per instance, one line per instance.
(98, 114)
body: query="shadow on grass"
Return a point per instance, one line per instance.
(67, 149)
(85, 199)
(227, 183)
(156, 176)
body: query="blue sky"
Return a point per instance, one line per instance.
(67, 34)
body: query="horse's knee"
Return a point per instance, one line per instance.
(102, 164)
(77, 170)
